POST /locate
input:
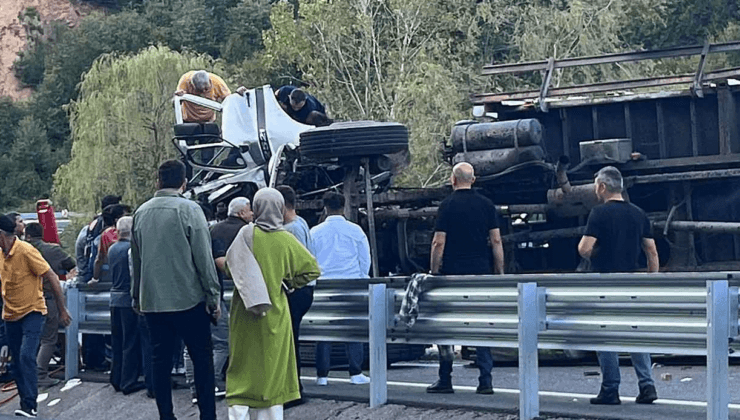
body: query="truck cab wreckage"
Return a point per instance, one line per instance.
(676, 139)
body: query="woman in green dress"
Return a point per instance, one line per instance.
(262, 374)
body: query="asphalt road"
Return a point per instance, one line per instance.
(564, 394)
(564, 390)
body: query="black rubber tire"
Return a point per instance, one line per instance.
(355, 139)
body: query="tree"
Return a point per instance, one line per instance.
(397, 60)
(29, 163)
(122, 126)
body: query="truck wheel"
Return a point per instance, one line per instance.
(357, 138)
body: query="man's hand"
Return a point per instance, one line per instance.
(64, 317)
(180, 92)
(135, 307)
(241, 90)
(215, 313)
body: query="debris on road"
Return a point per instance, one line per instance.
(666, 377)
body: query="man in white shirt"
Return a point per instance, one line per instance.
(342, 251)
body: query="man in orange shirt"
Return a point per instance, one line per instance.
(23, 271)
(203, 84)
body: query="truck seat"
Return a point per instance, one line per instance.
(198, 133)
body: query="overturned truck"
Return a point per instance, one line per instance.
(676, 139)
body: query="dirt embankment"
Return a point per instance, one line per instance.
(13, 35)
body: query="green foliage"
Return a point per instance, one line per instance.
(122, 126)
(29, 162)
(10, 115)
(406, 61)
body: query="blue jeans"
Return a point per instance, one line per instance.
(355, 355)
(609, 362)
(483, 359)
(24, 336)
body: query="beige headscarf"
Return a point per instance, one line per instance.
(268, 209)
(250, 283)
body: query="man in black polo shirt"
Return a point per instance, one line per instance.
(616, 233)
(466, 223)
(222, 236)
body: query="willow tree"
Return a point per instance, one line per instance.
(122, 126)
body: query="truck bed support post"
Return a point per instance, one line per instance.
(72, 345)
(529, 326)
(718, 342)
(378, 314)
(371, 216)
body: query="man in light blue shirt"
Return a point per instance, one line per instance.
(299, 300)
(342, 251)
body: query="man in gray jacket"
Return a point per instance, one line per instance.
(175, 286)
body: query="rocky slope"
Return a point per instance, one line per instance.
(13, 35)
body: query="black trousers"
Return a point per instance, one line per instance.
(299, 302)
(193, 326)
(93, 351)
(127, 350)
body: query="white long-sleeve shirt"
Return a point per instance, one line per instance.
(341, 249)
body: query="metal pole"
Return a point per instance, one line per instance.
(349, 190)
(378, 358)
(718, 335)
(529, 325)
(371, 216)
(72, 345)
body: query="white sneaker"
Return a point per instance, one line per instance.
(359, 379)
(322, 381)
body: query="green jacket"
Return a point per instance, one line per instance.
(173, 267)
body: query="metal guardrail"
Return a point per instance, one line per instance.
(675, 313)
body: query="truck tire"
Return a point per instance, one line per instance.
(354, 139)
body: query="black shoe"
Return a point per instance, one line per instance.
(440, 387)
(484, 390)
(138, 386)
(606, 398)
(23, 412)
(648, 394)
(294, 403)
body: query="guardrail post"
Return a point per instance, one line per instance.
(718, 343)
(72, 344)
(378, 358)
(529, 326)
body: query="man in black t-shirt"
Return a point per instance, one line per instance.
(301, 106)
(616, 233)
(466, 222)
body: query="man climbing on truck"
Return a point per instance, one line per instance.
(206, 85)
(301, 106)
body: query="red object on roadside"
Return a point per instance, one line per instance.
(45, 214)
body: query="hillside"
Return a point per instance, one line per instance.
(13, 36)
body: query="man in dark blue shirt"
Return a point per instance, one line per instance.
(616, 233)
(126, 333)
(301, 106)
